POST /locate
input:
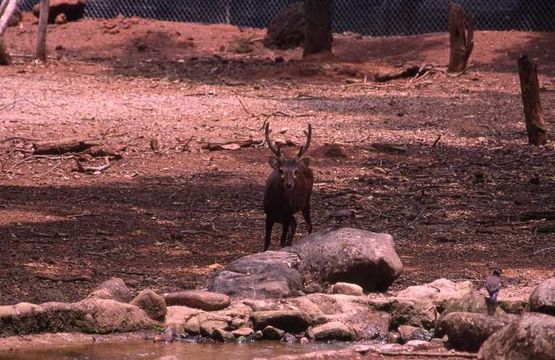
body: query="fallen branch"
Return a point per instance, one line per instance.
(537, 215)
(438, 139)
(92, 169)
(64, 279)
(410, 72)
(232, 145)
(544, 249)
(62, 146)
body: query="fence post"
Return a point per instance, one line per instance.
(533, 112)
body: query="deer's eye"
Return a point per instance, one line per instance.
(281, 172)
(295, 172)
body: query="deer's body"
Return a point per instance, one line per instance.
(288, 191)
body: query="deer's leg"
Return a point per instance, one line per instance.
(268, 234)
(283, 241)
(306, 215)
(291, 232)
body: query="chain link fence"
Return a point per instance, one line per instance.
(368, 17)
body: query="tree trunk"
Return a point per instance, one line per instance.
(7, 8)
(461, 34)
(533, 112)
(40, 53)
(318, 36)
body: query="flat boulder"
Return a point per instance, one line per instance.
(114, 289)
(333, 330)
(286, 30)
(542, 299)
(72, 9)
(152, 303)
(293, 321)
(347, 289)
(409, 333)
(205, 300)
(437, 291)
(532, 336)
(473, 303)
(348, 255)
(270, 274)
(467, 331)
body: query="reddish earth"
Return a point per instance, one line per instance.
(167, 220)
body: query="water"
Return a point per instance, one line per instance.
(182, 351)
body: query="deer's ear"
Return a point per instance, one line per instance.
(305, 161)
(274, 162)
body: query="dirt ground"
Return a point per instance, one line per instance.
(167, 220)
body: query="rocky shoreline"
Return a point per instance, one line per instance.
(439, 316)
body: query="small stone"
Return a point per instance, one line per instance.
(61, 19)
(258, 335)
(288, 320)
(409, 333)
(289, 338)
(241, 340)
(114, 289)
(333, 330)
(244, 331)
(272, 333)
(304, 340)
(393, 337)
(347, 289)
(222, 335)
(419, 344)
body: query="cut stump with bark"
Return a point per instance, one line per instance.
(461, 35)
(533, 112)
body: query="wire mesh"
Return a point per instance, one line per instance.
(368, 17)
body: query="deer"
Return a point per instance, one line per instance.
(288, 189)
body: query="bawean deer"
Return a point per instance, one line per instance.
(288, 190)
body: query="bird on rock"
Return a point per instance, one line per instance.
(493, 284)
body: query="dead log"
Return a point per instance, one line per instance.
(533, 112)
(547, 227)
(408, 72)
(461, 35)
(62, 146)
(231, 145)
(537, 215)
(106, 151)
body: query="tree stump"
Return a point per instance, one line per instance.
(5, 58)
(533, 112)
(318, 35)
(461, 35)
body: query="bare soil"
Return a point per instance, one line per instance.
(167, 220)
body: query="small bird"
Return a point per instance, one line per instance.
(493, 284)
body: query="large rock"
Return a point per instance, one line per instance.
(286, 30)
(89, 316)
(467, 331)
(26, 318)
(114, 289)
(414, 313)
(531, 337)
(152, 303)
(366, 322)
(438, 291)
(72, 9)
(348, 255)
(198, 299)
(109, 316)
(271, 274)
(410, 333)
(177, 317)
(293, 321)
(333, 330)
(542, 298)
(473, 303)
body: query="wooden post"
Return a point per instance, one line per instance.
(533, 112)
(318, 35)
(40, 53)
(461, 35)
